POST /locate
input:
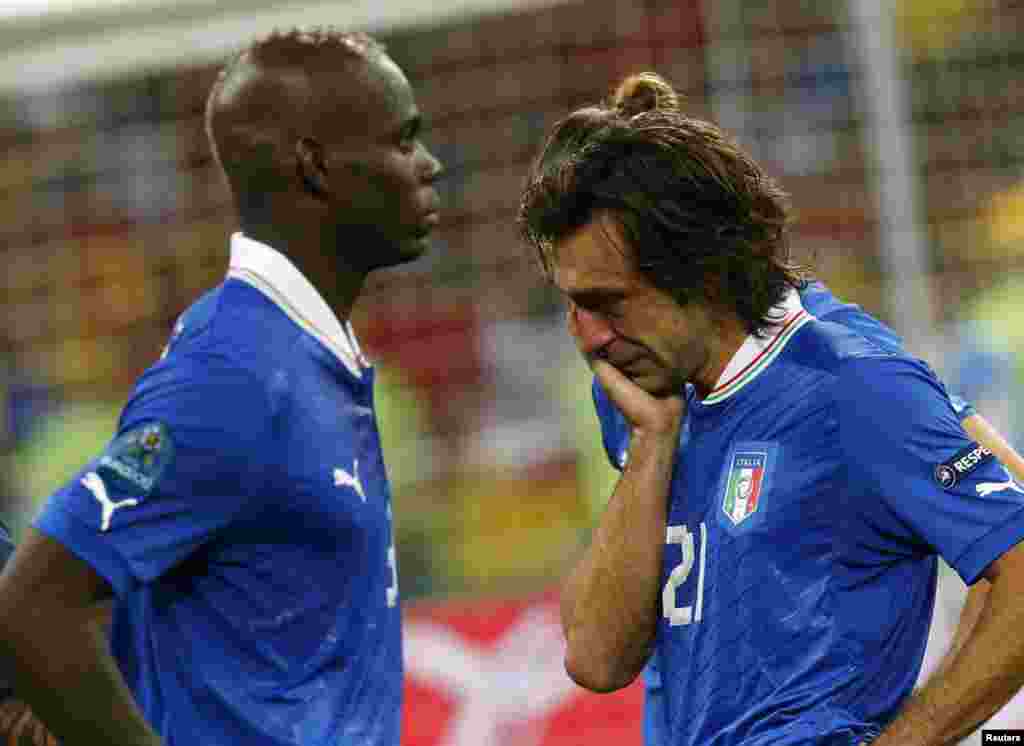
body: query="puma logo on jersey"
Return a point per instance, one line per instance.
(94, 483)
(343, 479)
(987, 488)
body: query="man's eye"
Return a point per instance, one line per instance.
(608, 313)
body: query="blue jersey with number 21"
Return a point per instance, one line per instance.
(815, 487)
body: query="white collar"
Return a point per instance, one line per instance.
(757, 353)
(270, 272)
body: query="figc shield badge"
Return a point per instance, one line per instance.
(744, 484)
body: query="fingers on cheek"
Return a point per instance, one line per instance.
(573, 322)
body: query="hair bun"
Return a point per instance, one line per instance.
(644, 92)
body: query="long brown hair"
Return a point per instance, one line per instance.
(702, 218)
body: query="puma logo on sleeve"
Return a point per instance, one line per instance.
(94, 483)
(987, 488)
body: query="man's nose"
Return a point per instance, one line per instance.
(432, 168)
(591, 330)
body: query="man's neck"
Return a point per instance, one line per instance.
(320, 262)
(730, 334)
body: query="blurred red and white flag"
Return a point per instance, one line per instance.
(490, 673)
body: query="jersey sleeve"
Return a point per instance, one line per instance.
(614, 430)
(6, 545)
(962, 407)
(919, 482)
(6, 550)
(192, 453)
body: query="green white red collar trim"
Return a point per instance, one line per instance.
(757, 353)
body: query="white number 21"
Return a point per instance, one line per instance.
(682, 536)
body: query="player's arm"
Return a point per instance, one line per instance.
(19, 725)
(982, 676)
(975, 520)
(56, 649)
(610, 598)
(986, 616)
(982, 431)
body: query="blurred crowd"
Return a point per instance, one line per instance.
(113, 220)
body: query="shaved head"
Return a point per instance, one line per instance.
(318, 134)
(274, 93)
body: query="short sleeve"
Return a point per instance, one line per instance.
(962, 407)
(6, 545)
(191, 454)
(919, 482)
(614, 430)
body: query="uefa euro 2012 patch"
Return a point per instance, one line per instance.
(135, 459)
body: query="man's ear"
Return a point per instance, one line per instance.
(311, 166)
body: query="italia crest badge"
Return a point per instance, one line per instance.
(744, 484)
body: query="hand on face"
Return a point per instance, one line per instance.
(616, 314)
(597, 340)
(646, 413)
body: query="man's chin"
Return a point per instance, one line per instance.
(402, 253)
(657, 386)
(413, 249)
(653, 385)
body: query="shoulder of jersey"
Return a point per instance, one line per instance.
(235, 318)
(818, 300)
(218, 342)
(194, 320)
(827, 344)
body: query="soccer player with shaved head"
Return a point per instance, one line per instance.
(240, 517)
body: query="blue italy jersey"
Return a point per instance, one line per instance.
(815, 487)
(6, 545)
(242, 516)
(6, 550)
(822, 304)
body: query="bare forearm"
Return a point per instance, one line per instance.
(67, 675)
(609, 601)
(977, 597)
(982, 431)
(976, 680)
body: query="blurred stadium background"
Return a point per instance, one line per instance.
(898, 126)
